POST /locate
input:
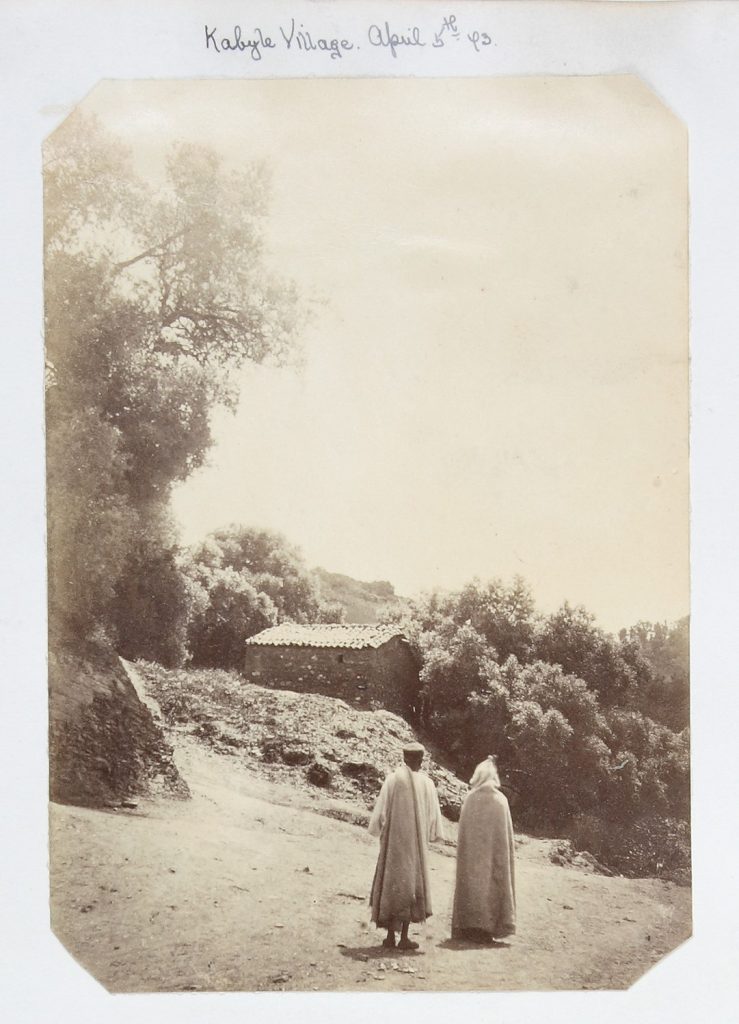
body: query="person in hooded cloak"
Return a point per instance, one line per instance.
(485, 891)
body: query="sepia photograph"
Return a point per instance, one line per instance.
(367, 482)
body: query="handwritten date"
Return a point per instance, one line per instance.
(297, 38)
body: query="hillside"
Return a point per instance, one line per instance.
(254, 885)
(312, 741)
(362, 602)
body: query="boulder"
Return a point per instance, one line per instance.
(319, 775)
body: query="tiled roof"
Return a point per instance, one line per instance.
(290, 634)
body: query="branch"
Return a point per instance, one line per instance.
(155, 250)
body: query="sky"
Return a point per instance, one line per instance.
(495, 377)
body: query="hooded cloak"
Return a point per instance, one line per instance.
(485, 892)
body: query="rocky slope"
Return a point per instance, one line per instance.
(311, 741)
(105, 747)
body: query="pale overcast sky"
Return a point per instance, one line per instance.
(495, 380)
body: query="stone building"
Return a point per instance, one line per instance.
(367, 666)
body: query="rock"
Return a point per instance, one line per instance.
(319, 775)
(296, 755)
(362, 772)
(278, 750)
(281, 728)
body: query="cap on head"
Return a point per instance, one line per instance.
(413, 755)
(414, 748)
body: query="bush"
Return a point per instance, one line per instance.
(647, 847)
(563, 753)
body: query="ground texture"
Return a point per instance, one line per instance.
(255, 884)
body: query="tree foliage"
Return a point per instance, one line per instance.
(571, 639)
(153, 296)
(666, 650)
(246, 579)
(565, 707)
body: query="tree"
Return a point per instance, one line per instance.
(570, 638)
(248, 579)
(231, 609)
(557, 748)
(665, 650)
(152, 298)
(90, 521)
(273, 566)
(453, 661)
(152, 602)
(504, 615)
(567, 725)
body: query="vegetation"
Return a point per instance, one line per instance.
(242, 580)
(585, 726)
(152, 298)
(362, 602)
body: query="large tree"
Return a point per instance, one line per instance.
(154, 295)
(245, 579)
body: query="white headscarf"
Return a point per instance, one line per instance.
(485, 772)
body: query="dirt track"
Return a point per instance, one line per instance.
(247, 887)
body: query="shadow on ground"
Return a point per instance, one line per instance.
(472, 944)
(365, 953)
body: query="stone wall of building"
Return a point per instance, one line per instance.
(365, 677)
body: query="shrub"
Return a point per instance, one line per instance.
(646, 847)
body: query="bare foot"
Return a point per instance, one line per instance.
(389, 942)
(407, 944)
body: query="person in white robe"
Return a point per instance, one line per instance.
(485, 891)
(406, 817)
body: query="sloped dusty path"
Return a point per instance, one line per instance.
(247, 887)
